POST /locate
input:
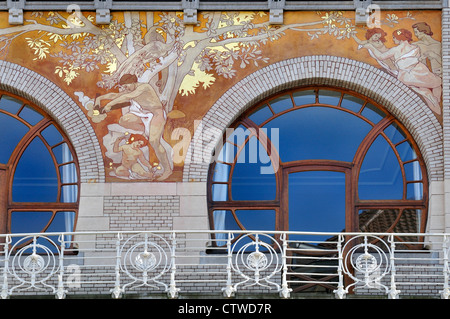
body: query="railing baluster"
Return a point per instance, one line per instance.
(229, 290)
(393, 292)
(5, 293)
(117, 292)
(285, 291)
(173, 290)
(340, 293)
(61, 292)
(445, 293)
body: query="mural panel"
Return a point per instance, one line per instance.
(146, 79)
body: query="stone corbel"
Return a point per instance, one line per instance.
(190, 11)
(15, 10)
(102, 11)
(276, 9)
(361, 11)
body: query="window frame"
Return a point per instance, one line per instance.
(7, 171)
(351, 169)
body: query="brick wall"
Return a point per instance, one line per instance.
(141, 212)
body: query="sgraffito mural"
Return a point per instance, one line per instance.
(145, 79)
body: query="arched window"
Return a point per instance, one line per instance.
(39, 178)
(318, 159)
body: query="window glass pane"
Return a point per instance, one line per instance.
(35, 178)
(250, 220)
(68, 173)
(62, 153)
(52, 135)
(281, 104)
(329, 97)
(256, 219)
(29, 221)
(394, 133)
(227, 153)
(414, 191)
(10, 104)
(406, 151)
(316, 202)
(221, 172)
(380, 175)
(69, 193)
(63, 222)
(372, 113)
(12, 131)
(30, 115)
(219, 192)
(409, 222)
(223, 220)
(413, 171)
(238, 137)
(304, 97)
(260, 115)
(352, 103)
(377, 220)
(253, 178)
(318, 133)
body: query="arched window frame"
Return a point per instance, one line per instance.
(351, 169)
(7, 171)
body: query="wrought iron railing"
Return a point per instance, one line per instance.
(277, 264)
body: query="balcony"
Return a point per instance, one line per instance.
(170, 264)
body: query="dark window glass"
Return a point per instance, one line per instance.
(352, 103)
(30, 115)
(304, 97)
(317, 202)
(35, 178)
(373, 113)
(281, 104)
(52, 135)
(329, 97)
(380, 175)
(260, 115)
(11, 131)
(10, 104)
(253, 178)
(319, 133)
(29, 221)
(395, 134)
(406, 151)
(62, 153)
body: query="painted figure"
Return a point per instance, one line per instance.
(133, 159)
(430, 49)
(377, 37)
(145, 114)
(411, 71)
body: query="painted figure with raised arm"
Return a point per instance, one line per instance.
(146, 114)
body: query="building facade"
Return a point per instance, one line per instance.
(225, 116)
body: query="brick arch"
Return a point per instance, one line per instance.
(53, 100)
(360, 77)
